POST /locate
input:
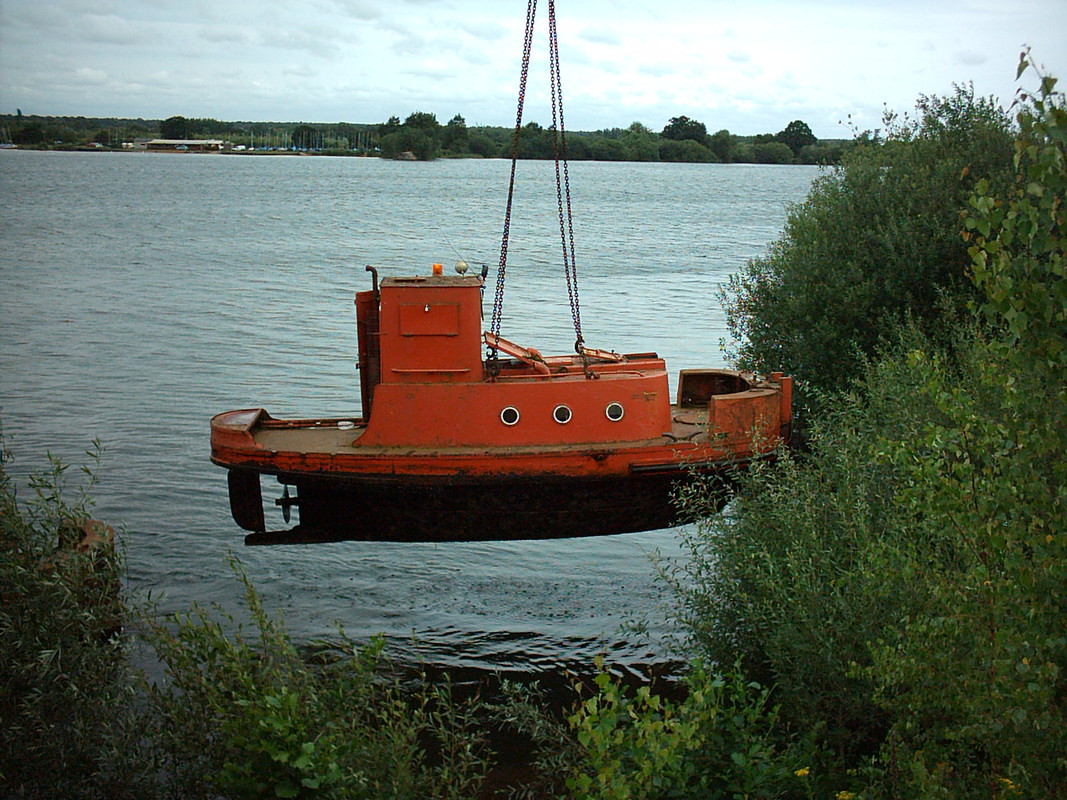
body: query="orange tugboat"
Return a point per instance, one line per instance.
(456, 447)
(454, 444)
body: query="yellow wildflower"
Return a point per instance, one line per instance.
(846, 795)
(802, 772)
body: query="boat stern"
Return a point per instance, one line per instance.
(741, 407)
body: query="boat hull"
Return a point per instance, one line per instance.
(340, 489)
(457, 509)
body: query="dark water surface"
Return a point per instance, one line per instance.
(142, 293)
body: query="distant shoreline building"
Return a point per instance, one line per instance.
(188, 145)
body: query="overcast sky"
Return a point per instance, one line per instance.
(750, 66)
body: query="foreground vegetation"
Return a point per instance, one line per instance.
(880, 614)
(900, 583)
(244, 713)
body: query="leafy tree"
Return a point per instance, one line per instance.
(29, 133)
(900, 582)
(722, 144)
(1018, 235)
(420, 134)
(482, 145)
(797, 135)
(578, 146)
(875, 242)
(392, 125)
(685, 150)
(424, 121)
(536, 142)
(823, 153)
(681, 128)
(772, 153)
(175, 128)
(456, 138)
(604, 149)
(641, 143)
(409, 140)
(978, 673)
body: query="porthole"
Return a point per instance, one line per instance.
(614, 411)
(562, 414)
(510, 415)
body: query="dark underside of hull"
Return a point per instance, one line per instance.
(450, 510)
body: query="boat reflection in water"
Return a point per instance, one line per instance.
(457, 445)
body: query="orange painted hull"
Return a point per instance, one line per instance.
(345, 490)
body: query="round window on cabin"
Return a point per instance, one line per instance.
(510, 415)
(562, 414)
(614, 411)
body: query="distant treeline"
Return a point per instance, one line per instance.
(422, 137)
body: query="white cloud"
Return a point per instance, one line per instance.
(223, 34)
(316, 41)
(87, 76)
(484, 31)
(107, 29)
(971, 58)
(360, 9)
(600, 35)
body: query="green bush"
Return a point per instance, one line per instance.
(686, 151)
(239, 716)
(719, 740)
(976, 680)
(784, 575)
(971, 674)
(901, 582)
(250, 717)
(65, 694)
(1018, 234)
(877, 240)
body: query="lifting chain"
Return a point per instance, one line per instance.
(498, 299)
(563, 189)
(566, 226)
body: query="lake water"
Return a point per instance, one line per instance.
(142, 293)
